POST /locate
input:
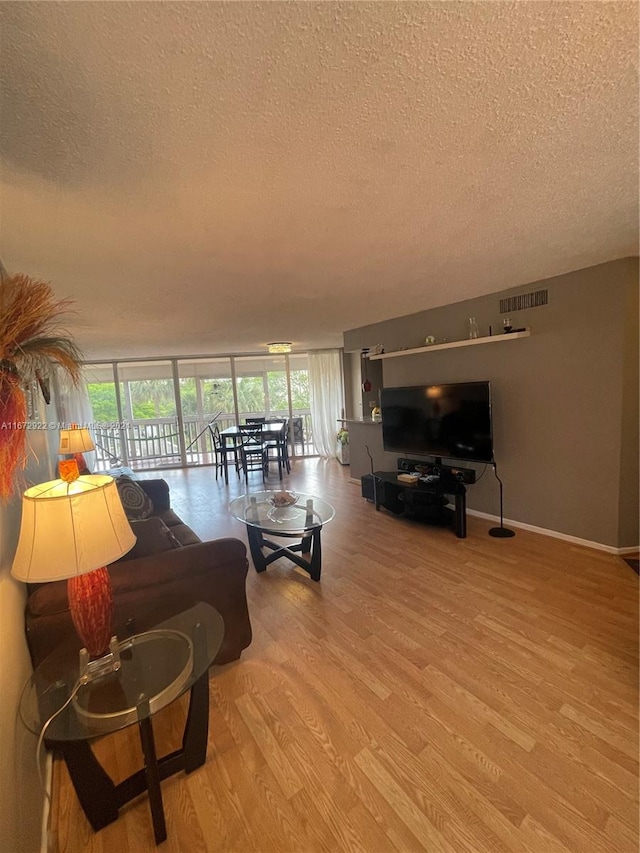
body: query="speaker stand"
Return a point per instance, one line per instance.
(501, 532)
(373, 477)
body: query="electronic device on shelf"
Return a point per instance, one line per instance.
(426, 469)
(409, 479)
(450, 420)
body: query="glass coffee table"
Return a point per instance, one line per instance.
(302, 520)
(156, 667)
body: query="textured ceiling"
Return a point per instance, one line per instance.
(207, 177)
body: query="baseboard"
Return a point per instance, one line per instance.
(555, 534)
(624, 551)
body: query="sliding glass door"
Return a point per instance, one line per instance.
(107, 432)
(206, 399)
(301, 421)
(161, 413)
(150, 412)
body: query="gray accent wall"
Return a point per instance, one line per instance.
(565, 400)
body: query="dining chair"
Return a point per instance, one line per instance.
(275, 442)
(255, 420)
(253, 451)
(285, 445)
(222, 452)
(226, 449)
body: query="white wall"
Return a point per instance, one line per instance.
(21, 796)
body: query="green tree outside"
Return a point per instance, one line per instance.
(154, 398)
(103, 401)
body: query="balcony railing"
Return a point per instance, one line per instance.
(155, 442)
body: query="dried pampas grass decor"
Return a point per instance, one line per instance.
(30, 343)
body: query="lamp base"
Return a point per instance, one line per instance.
(91, 669)
(501, 532)
(91, 606)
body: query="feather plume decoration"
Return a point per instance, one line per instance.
(30, 342)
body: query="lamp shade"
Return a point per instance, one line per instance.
(69, 529)
(77, 440)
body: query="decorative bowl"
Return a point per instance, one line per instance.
(283, 499)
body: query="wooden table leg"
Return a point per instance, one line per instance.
(225, 461)
(152, 772)
(196, 730)
(460, 516)
(94, 787)
(254, 536)
(315, 562)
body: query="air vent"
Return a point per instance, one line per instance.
(525, 300)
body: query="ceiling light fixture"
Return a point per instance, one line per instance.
(279, 347)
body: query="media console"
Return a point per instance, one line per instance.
(425, 500)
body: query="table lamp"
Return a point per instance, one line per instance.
(71, 529)
(74, 442)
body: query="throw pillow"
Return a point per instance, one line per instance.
(136, 502)
(152, 537)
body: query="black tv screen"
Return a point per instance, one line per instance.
(452, 421)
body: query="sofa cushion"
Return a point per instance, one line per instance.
(152, 537)
(170, 518)
(181, 531)
(136, 502)
(185, 535)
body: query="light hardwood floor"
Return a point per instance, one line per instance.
(429, 694)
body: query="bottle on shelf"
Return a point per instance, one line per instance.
(473, 328)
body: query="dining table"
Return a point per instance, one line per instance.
(230, 440)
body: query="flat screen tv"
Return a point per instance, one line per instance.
(451, 421)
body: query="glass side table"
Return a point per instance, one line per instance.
(302, 520)
(157, 666)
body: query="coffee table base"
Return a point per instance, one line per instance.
(309, 548)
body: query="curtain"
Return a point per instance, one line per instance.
(74, 407)
(326, 390)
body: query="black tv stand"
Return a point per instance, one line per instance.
(425, 500)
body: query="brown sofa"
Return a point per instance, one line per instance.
(150, 588)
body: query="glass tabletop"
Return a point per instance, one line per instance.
(269, 427)
(263, 510)
(157, 666)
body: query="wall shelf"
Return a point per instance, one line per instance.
(468, 342)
